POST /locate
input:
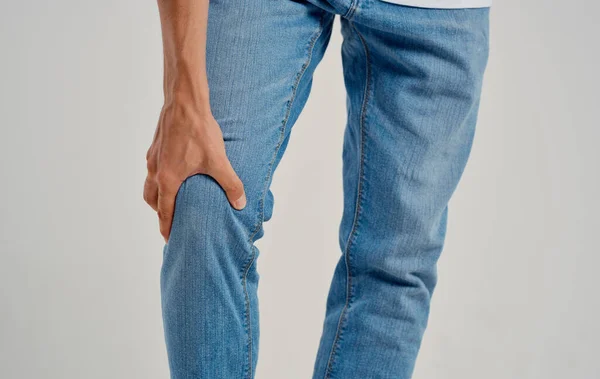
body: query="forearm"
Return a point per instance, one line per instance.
(184, 24)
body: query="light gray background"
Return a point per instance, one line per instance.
(80, 92)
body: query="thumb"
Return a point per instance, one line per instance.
(224, 174)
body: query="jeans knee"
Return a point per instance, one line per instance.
(206, 226)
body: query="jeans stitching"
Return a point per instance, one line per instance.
(186, 321)
(357, 213)
(260, 221)
(350, 12)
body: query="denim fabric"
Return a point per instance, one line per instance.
(441, 4)
(413, 78)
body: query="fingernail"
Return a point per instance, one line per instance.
(240, 203)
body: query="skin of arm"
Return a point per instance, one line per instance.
(187, 140)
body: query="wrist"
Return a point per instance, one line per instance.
(189, 92)
(187, 104)
(185, 77)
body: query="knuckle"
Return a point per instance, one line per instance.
(216, 161)
(211, 164)
(164, 178)
(147, 194)
(234, 191)
(149, 153)
(234, 186)
(162, 215)
(151, 165)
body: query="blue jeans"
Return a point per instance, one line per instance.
(413, 78)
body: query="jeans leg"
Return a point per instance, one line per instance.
(413, 78)
(260, 59)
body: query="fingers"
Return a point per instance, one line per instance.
(160, 193)
(224, 174)
(161, 187)
(167, 191)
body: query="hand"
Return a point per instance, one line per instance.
(187, 141)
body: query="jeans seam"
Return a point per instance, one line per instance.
(350, 12)
(357, 212)
(250, 262)
(185, 280)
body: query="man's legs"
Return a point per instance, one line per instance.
(413, 78)
(260, 59)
